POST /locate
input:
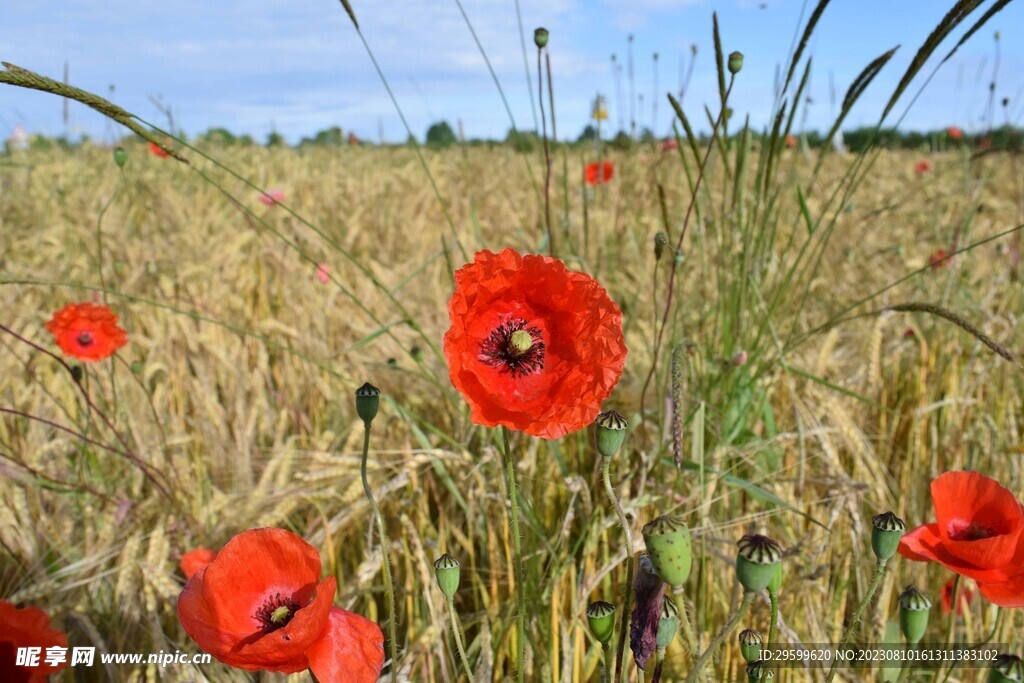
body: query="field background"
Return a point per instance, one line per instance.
(237, 387)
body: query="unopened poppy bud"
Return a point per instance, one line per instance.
(668, 624)
(540, 37)
(1007, 669)
(77, 373)
(611, 432)
(735, 62)
(660, 244)
(367, 402)
(914, 606)
(886, 531)
(120, 157)
(760, 671)
(739, 359)
(446, 569)
(668, 545)
(756, 561)
(750, 645)
(601, 617)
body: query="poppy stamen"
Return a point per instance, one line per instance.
(85, 339)
(276, 612)
(514, 346)
(963, 531)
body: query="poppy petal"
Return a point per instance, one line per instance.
(27, 627)
(351, 650)
(1007, 594)
(194, 560)
(924, 544)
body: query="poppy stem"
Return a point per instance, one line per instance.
(773, 598)
(876, 580)
(547, 153)
(954, 602)
(730, 626)
(457, 632)
(517, 557)
(606, 466)
(606, 671)
(658, 668)
(389, 590)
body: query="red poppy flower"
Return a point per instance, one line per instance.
(532, 345)
(922, 167)
(353, 139)
(158, 151)
(964, 597)
(978, 533)
(790, 141)
(260, 604)
(670, 145)
(938, 259)
(27, 627)
(87, 332)
(599, 173)
(196, 559)
(955, 133)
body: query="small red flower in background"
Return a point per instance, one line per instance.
(260, 605)
(965, 596)
(272, 197)
(353, 139)
(922, 167)
(87, 332)
(978, 533)
(790, 141)
(670, 145)
(27, 627)
(939, 259)
(955, 134)
(196, 559)
(599, 173)
(986, 143)
(532, 345)
(158, 151)
(323, 274)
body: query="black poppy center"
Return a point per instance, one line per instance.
(85, 338)
(514, 346)
(972, 531)
(276, 612)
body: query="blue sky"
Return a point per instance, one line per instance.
(298, 67)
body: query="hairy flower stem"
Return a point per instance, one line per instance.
(658, 668)
(606, 670)
(730, 626)
(389, 591)
(457, 632)
(876, 580)
(517, 558)
(606, 464)
(547, 154)
(773, 598)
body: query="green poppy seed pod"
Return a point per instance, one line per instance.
(601, 617)
(367, 402)
(735, 62)
(446, 569)
(776, 582)
(750, 645)
(668, 545)
(1006, 669)
(760, 671)
(120, 157)
(886, 531)
(611, 432)
(914, 606)
(668, 624)
(756, 561)
(660, 244)
(540, 38)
